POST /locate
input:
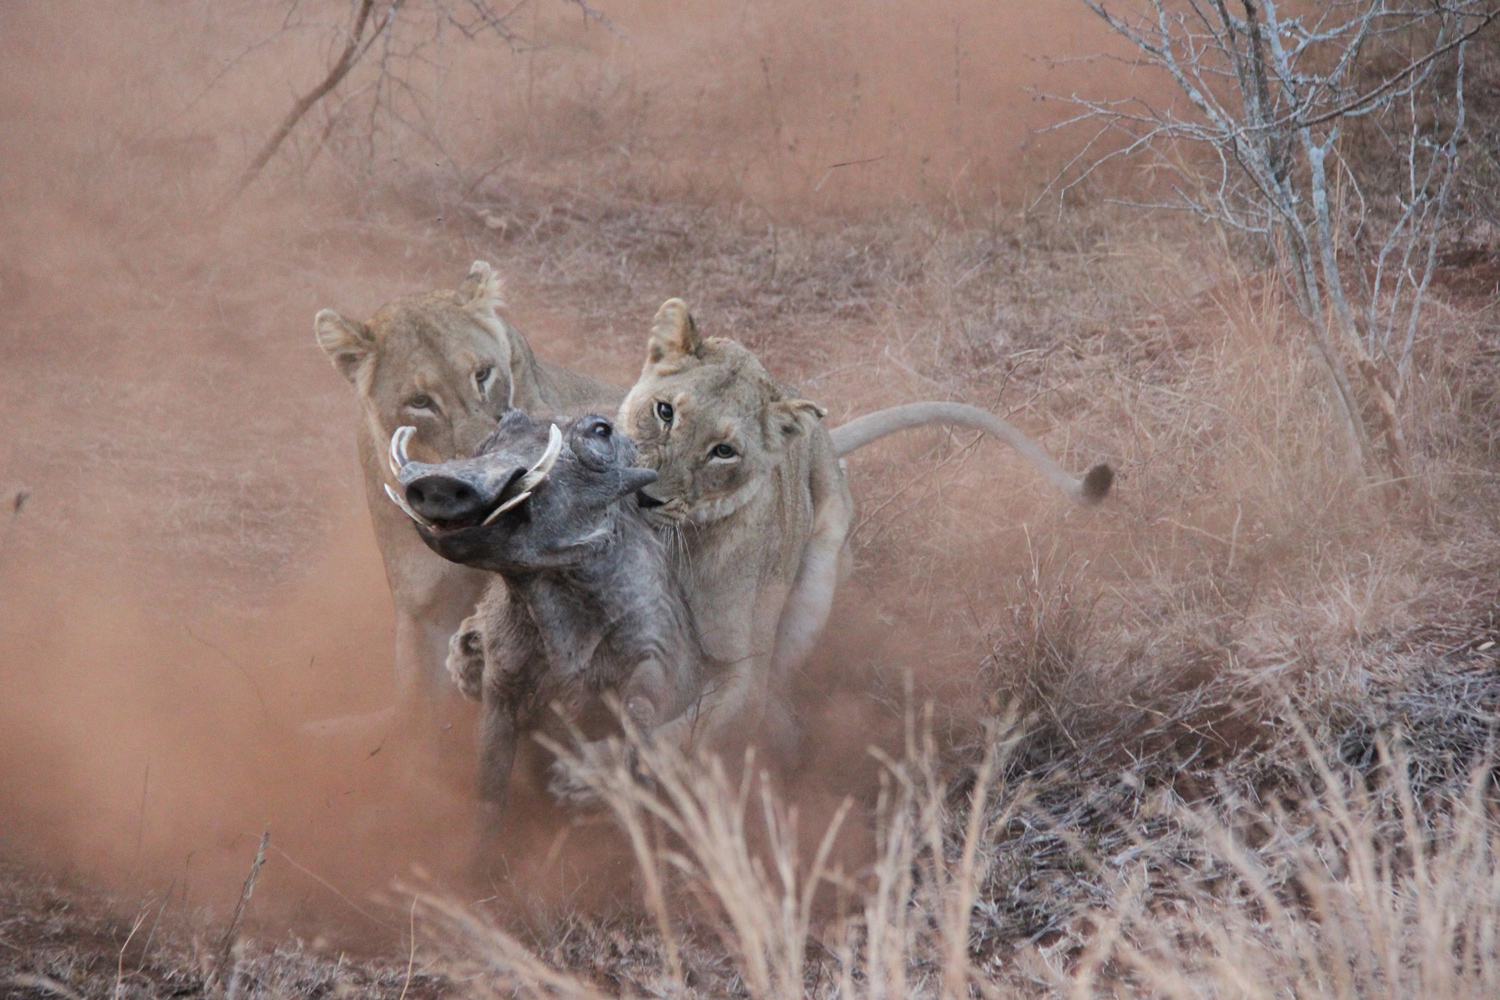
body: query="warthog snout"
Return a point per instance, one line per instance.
(446, 498)
(466, 493)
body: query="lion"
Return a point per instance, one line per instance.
(448, 364)
(752, 495)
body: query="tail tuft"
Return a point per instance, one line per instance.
(1096, 483)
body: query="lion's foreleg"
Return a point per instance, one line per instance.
(497, 758)
(810, 601)
(427, 704)
(727, 714)
(421, 655)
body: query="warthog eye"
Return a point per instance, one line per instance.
(664, 413)
(722, 451)
(601, 429)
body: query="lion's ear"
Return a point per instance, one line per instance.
(792, 416)
(347, 343)
(482, 291)
(673, 333)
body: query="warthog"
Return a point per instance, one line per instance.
(449, 365)
(588, 603)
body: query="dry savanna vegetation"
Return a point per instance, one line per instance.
(1231, 733)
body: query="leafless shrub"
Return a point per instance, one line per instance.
(402, 34)
(1255, 142)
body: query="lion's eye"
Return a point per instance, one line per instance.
(722, 451)
(482, 376)
(421, 401)
(664, 413)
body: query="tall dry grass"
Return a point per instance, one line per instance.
(1251, 704)
(1354, 884)
(1149, 819)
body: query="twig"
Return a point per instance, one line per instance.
(140, 816)
(239, 910)
(43, 984)
(244, 672)
(411, 955)
(353, 50)
(846, 163)
(332, 888)
(1386, 84)
(120, 963)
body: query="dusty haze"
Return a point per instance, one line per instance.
(185, 562)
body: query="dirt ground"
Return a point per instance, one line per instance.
(186, 569)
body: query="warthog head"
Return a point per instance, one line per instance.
(534, 498)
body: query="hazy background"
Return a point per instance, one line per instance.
(186, 570)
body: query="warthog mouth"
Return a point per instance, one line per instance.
(482, 510)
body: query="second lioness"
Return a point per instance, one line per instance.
(752, 492)
(589, 603)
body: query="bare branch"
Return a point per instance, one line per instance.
(409, 34)
(354, 48)
(1267, 100)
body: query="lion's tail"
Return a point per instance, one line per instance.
(873, 426)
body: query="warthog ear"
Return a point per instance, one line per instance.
(789, 415)
(673, 334)
(348, 344)
(482, 291)
(633, 479)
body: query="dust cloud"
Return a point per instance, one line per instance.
(186, 571)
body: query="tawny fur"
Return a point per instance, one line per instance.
(759, 539)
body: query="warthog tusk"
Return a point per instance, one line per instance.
(399, 502)
(543, 465)
(399, 457)
(507, 505)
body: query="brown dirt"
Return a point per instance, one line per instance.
(186, 570)
(184, 552)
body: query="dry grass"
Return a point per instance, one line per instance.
(1230, 734)
(63, 938)
(1250, 699)
(1346, 881)
(1257, 699)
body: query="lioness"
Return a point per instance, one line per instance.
(446, 363)
(753, 496)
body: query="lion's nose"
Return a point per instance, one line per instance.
(444, 498)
